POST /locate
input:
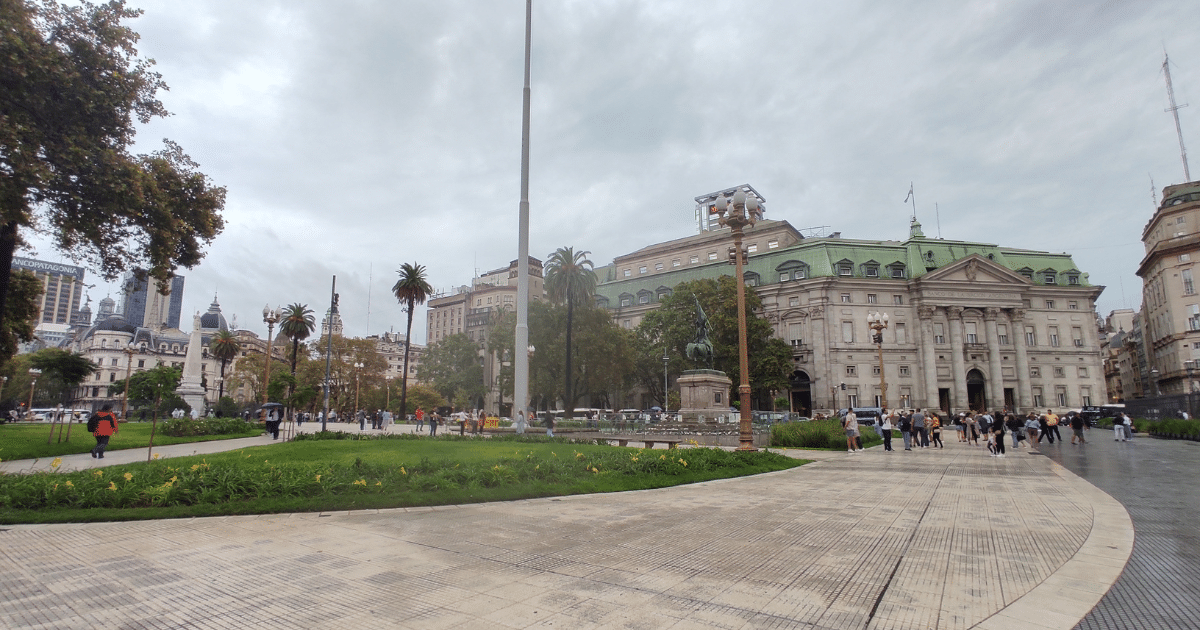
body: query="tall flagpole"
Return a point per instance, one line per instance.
(521, 336)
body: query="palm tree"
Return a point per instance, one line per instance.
(411, 289)
(224, 346)
(297, 323)
(570, 279)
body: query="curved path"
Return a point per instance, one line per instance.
(1154, 479)
(924, 539)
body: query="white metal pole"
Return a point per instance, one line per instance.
(521, 336)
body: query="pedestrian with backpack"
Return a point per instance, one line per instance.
(103, 425)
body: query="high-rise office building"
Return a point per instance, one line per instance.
(62, 290)
(143, 304)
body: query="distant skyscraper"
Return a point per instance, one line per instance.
(144, 305)
(62, 289)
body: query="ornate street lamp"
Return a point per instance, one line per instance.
(666, 384)
(1154, 375)
(743, 211)
(129, 349)
(34, 373)
(270, 318)
(878, 322)
(358, 365)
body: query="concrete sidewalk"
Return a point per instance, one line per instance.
(925, 539)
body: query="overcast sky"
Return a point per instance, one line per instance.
(354, 136)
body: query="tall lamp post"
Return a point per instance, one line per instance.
(742, 212)
(878, 322)
(1191, 367)
(666, 384)
(129, 349)
(357, 366)
(33, 373)
(270, 318)
(1154, 375)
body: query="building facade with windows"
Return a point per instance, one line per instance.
(145, 304)
(1170, 303)
(972, 325)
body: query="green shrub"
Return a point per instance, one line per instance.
(186, 427)
(824, 434)
(1170, 426)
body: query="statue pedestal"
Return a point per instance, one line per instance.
(704, 397)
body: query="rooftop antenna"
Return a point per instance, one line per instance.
(938, 213)
(1174, 109)
(1153, 192)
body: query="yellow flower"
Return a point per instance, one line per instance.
(128, 476)
(99, 473)
(360, 482)
(402, 471)
(168, 484)
(157, 455)
(112, 485)
(174, 479)
(318, 478)
(538, 467)
(662, 456)
(70, 485)
(634, 458)
(55, 487)
(683, 462)
(195, 467)
(56, 463)
(379, 483)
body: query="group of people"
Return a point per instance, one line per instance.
(922, 428)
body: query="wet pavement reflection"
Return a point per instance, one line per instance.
(1156, 481)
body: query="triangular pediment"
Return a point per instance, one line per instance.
(976, 269)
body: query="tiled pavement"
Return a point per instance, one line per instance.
(1155, 480)
(926, 539)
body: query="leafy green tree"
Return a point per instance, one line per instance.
(569, 280)
(20, 312)
(411, 289)
(297, 324)
(62, 371)
(669, 328)
(343, 376)
(452, 365)
(72, 90)
(225, 347)
(156, 385)
(425, 397)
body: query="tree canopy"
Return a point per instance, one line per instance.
(668, 329)
(20, 312)
(451, 366)
(71, 88)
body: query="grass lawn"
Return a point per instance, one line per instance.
(348, 474)
(28, 441)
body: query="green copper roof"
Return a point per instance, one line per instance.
(821, 257)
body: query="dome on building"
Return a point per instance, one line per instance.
(213, 319)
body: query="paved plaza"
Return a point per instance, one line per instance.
(907, 540)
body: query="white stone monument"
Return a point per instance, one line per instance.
(191, 387)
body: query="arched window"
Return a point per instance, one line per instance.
(792, 270)
(751, 279)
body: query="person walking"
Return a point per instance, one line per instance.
(434, 421)
(1119, 427)
(549, 424)
(920, 437)
(1052, 421)
(850, 424)
(1033, 431)
(1017, 428)
(1077, 426)
(1127, 422)
(935, 429)
(971, 429)
(885, 430)
(998, 425)
(906, 431)
(103, 425)
(420, 419)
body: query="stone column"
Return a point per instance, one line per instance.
(995, 377)
(1016, 320)
(822, 377)
(958, 400)
(928, 357)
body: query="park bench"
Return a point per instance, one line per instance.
(649, 443)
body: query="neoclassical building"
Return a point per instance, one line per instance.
(971, 325)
